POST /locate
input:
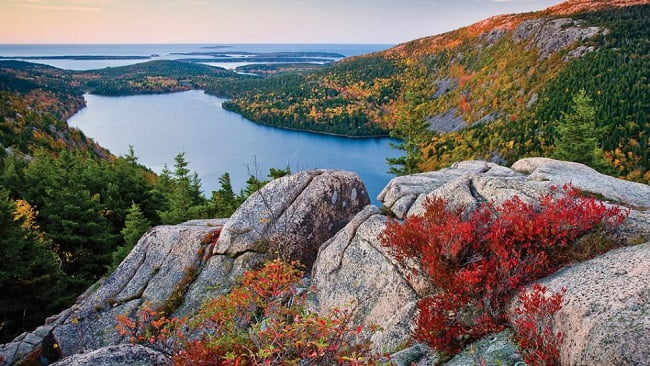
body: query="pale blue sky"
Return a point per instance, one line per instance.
(243, 21)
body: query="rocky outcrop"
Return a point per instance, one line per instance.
(165, 258)
(444, 86)
(176, 268)
(323, 218)
(23, 345)
(605, 314)
(119, 355)
(468, 183)
(557, 172)
(552, 35)
(353, 265)
(418, 355)
(631, 195)
(401, 193)
(494, 350)
(294, 215)
(354, 272)
(447, 122)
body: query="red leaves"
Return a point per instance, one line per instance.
(534, 326)
(261, 322)
(481, 260)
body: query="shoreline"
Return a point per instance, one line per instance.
(248, 119)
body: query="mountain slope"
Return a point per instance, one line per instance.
(490, 90)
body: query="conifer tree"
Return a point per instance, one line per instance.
(184, 199)
(135, 226)
(72, 214)
(224, 202)
(577, 137)
(413, 134)
(29, 272)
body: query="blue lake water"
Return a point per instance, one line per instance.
(164, 52)
(217, 141)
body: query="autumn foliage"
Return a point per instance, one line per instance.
(480, 260)
(263, 321)
(534, 326)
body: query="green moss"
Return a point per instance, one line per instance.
(177, 295)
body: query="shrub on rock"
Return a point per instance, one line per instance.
(478, 261)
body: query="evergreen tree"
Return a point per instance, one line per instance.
(72, 214)
(224, 202)
(279, 173)
(253, 184)
(29, 271)
(127, 182)
(413, 134)
(184, 199)
(135, 226)
(577, 137)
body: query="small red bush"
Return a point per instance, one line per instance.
(534, 326)
(479, 261)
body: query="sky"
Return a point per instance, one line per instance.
(243, 21)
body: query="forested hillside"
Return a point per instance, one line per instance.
(493, 90)
(70, 210)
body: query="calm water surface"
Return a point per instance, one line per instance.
(217, 141)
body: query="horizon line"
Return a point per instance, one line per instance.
(196, 43)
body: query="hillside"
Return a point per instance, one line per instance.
(38, 99)
(491, 90)
(65, 201)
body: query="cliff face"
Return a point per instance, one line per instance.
(324, 219)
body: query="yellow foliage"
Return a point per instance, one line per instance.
(27, 213)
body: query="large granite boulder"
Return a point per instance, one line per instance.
(165, 258)
(626, 193)
(469, 183)
(354, 272)
(292, 216)
(605, 314)
(119, 355)
(402, 193)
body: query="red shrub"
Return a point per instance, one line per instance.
(480, 261)
(534, 326)
(261, 322)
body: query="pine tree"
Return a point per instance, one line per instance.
(65, 189)
(29, 271)
(184, 199)
(224, 202)
(577, 137)
(135, 226)
(253, 184)
(412, 130)
(275, 173)
(413, 134)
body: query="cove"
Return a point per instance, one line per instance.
(216, 141)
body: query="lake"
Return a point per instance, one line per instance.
(217, 141)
